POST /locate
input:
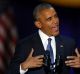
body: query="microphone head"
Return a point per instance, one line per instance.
(57, 62)
(47, 58)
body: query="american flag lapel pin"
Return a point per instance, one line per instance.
(61, 46)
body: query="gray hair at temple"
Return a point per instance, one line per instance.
(39, 8)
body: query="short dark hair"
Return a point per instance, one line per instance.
(39, 8)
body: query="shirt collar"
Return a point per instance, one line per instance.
(44, 37)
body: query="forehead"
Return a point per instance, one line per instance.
(47, 12)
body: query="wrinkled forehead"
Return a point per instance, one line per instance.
(46, 11)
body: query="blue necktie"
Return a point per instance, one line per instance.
(49, 48)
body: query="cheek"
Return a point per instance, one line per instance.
(47, 29)
(57, 20)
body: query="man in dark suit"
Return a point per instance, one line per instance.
(30, 52)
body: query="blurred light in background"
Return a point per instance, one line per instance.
(65, 3)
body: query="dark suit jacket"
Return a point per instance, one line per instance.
(64, 47)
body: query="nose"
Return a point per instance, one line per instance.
(55, 20)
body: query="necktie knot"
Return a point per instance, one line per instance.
(49, 40)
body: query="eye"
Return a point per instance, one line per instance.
(49, 19)
(55, 16)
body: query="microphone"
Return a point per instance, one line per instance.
(47, 59)
(57, 61)
(58, 64)
(47, 62)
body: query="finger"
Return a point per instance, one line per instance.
(71, 57)
(75, 66)
(40, 63)
(70, 61)
(70, 64)
(40, 57)
(31, 53)
(77, 52)
(40, 60)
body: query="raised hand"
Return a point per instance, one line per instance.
(74, 61)
(32, 62)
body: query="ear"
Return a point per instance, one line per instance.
(37, 24)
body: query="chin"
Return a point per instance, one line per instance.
(56, 33)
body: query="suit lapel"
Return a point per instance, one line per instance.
(39, 49)
(38, 46)
(59, 47)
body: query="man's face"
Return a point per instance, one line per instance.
(48, 22)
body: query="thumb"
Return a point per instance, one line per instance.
(31, 53)
(77, 52)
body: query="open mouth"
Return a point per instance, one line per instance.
(55, 28)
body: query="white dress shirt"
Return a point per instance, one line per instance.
(44, 39)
